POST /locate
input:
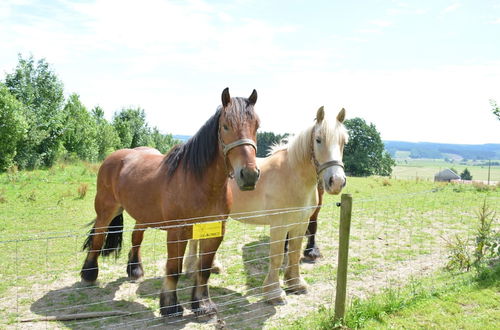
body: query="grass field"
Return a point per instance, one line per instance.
(397, 233)
(426, 169)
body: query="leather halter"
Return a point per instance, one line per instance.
(228, 147)
(321, 167)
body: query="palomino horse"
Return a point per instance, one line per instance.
(289, 178)
(170, 191)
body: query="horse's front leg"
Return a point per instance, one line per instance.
(294, 282)
(134, 265)
(200, 300)
(273, 293)
(176, 246)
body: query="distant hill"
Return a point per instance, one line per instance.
(443, 150)
(182, 138)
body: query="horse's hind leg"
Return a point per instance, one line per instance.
(311, 252)
(201, 302)
(106, 212)
(191, 258)
(176, 246)
(134, 265)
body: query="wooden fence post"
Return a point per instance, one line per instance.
(344, 230)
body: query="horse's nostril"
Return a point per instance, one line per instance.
(330, 182)
(258, 173)
(242, 174)
(345, 183)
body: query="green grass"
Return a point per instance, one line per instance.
(425, 169)
(443, 301)
(396, 223)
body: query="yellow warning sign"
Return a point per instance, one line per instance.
(207, 230)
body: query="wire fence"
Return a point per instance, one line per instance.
(394, 239)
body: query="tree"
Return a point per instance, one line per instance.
(107, 139)
(495, 109)
(12, 127)
(465, 175)
(80, 130)
(132, 129)
(265, 140)
(162, 142)
(37, 87)
(364, 154)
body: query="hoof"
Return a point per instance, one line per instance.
(169, 305)
(277, 301)
(296, 289)
(89, 272)
(216, 268)
(204, 308)
(311, 255)
(172, 311)
(135, 271)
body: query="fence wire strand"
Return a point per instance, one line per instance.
(394, 238)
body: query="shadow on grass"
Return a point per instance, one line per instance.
(238, 311)
(81, 298)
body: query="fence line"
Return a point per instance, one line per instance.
(393, 238)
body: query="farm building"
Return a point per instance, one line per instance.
(446, 175)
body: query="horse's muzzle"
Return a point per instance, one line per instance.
(247, 178)
(335, 184)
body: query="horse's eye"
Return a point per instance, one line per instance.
(225, 127)
(318, 140)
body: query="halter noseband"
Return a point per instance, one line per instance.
(321, 167)
(228, 147)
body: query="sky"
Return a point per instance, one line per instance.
(418, 70)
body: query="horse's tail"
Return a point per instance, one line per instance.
(113, 240)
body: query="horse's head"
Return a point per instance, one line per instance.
(328, 139)
(238, 124)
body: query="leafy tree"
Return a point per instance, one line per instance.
(80, 130)
(38, 88)
(107, 139)
(265, 140)
(465, 175)
(162, 142)
(495, 109)
(132, 129)
(12, 127)
(364, 154)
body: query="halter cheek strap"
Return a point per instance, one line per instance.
(321, 167)
(228, 147)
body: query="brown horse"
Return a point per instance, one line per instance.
(171, 192)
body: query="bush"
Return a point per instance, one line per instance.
(463, 254)
(12, 127)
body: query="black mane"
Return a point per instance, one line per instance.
(198, 152)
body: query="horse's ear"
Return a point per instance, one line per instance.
(226, 98)
(320, 115)
(341, 115)
(253, 98)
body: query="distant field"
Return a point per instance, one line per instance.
(427, 168)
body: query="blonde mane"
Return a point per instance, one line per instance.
(299, 145)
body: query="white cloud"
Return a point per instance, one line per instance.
(497, 21)
(452, 7)
(174, 58)
(381, 23)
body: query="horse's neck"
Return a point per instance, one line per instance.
(305, 170)
(216, 176)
